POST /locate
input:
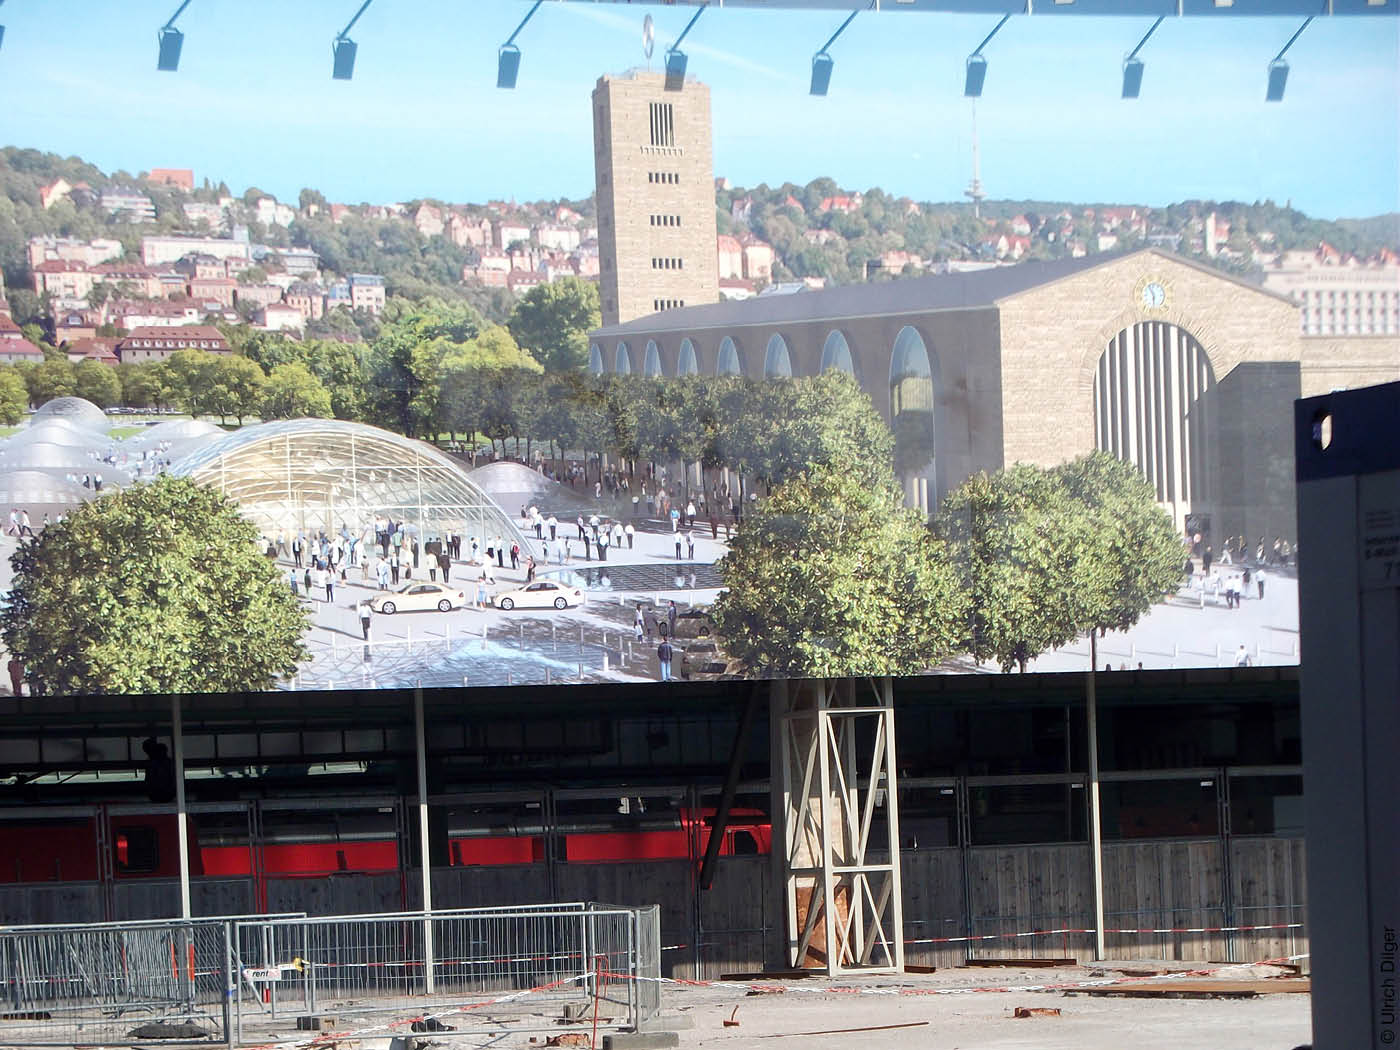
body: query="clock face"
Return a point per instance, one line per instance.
(1154, 296)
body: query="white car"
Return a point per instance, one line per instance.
(415, 596)
(542, 594)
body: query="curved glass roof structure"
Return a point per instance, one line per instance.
(320, 474)
(74, 410)
(56, 430)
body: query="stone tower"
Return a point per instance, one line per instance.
(656, 195)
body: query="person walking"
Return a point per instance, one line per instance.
(13, 530)
(363, 611)
(639, 622)
(1259, 582)
(306, 580)
(553, 524)
(1207, 558)
(24, 527)
(664, 652)
(603, 545)
(671, 614)
(445, 564)
(690, 512)
(500, 553)
(297, 547)
(587, 548)
(530, 569)
(292, 579)
(678, 546)
(330, 586)
(675, 517)
(690, 544)
(515, 555)
(382, 573)
(1241, 656)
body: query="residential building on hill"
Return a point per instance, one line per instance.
(180, 178)
(367, 292)
(158, 344)
(131, 204)
(71, 249)
(158, 250)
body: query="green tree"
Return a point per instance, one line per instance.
(54, 378)
(97, 383)
(553, 320)
(237, 387)
(831, 576)
(150, 384)
(1137, 555)
(1023, 553)
(292, 392)
(161, 588)
(14, 396)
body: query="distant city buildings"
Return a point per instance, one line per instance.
(1339, 295)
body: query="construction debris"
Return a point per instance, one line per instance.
(1022, 963)
(1202, 989)
(1037, 1011)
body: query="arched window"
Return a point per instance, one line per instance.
(728, 364)
(686, 364)
(777, 364)
(622, 360)
(595, 359)
(836, 353)
(912, 413)
(651, 366)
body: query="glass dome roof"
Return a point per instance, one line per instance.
(75, 410)
(322, 474)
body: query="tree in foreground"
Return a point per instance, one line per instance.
(160, 588)
(1046, 554)
(832, 576)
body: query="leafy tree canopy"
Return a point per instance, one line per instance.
(14, 396)
(832, 576)
(292, 392)
(160, 588)
(553, 320)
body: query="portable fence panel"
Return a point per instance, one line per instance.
(481, 970)
(100, 984)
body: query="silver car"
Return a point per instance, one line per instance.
(416, 596)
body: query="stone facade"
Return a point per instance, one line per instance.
(656, 202)
(1014, 377)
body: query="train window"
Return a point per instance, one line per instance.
(745, 845)
(137, 850)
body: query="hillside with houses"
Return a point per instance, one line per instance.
(91, 255)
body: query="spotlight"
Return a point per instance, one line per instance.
(343, 62)
(1278, 68)
(675, 69)
(976, 76)
(821, 61)
(977, 65)
(1132, 65)
(675, 57)
(344, 49)
(171, 39)
(1132, 77)
(508, 58)
(821, 73)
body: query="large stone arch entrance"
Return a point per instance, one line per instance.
(1155, 407)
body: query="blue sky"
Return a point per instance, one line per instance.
(254, 103)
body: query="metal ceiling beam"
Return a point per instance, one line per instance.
(1129, 8)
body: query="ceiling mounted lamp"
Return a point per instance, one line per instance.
(1132, 65)
(1278, 68)
(508, 57)
(344, 49)
(822, 62)
(977, 65)
(676, 58)
(171, 40)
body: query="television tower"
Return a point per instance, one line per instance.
(974, 188)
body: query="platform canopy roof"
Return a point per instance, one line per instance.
(1134, 8)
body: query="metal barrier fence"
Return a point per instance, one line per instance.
(231, 980)
(105, 982)
(469, 972)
